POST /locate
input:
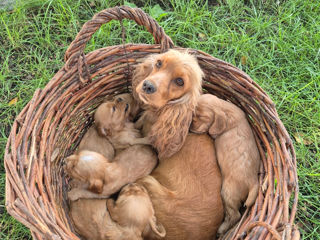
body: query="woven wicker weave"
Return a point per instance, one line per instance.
(52, 123)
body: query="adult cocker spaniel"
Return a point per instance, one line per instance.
(185, 186)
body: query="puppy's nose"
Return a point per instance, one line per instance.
(148, 87)
(119, 99)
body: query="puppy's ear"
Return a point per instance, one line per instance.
(71, 162)
(102, 131)
(135, 109)
(96, 185)
(219, 124)
(157, 227)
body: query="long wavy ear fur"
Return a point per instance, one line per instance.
(170, 130)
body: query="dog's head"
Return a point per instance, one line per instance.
(87, 166)
(72, 169)
(111, 116)
(167, 78)
(147, 221)
(169, 84)
(134, 107)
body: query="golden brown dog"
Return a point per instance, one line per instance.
(169, 85)
(134, 200)
(185, 187)
(237, 153)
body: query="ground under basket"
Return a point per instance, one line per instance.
(53, 122)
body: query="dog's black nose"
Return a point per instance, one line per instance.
(148, 87)
(119, 99)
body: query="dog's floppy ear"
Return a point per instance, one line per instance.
(71, 162)
(170, 130)
(96, 185)
(102, 131)
(219, 124)
(157, 227)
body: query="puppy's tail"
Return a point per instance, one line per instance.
(252, 196)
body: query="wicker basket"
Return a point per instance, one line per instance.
(53, 122)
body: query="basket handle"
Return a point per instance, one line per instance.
(75, 50)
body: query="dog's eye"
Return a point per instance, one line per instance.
(158, 64)
(179, 81)
(113, 108)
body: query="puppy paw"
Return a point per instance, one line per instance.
(73, 195)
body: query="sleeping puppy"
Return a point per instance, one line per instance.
(104, 177)
(134, 199)
(237, 153)
(92, 219)
(95, 140)
(112, 122)
(93, 222)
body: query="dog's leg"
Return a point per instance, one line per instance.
(144, 141)
(139, 123)
(77, 193)
(231, 205)
(112, 209)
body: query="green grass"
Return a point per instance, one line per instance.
(277, 44)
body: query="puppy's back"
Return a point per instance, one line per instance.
(92, 141)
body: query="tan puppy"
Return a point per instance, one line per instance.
(112, 122)
(93, 141)
(237, 153)
(96, 141)
(105, 177)
(132, 201)
(92, 221)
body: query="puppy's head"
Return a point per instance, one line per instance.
(208, 117)
(142, 204)
(203, 115)
(171, 77)
(85, 164)
(134, 107)
(71, 167)
(111, 117)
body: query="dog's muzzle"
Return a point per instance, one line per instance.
(148, 87)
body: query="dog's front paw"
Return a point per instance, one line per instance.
(73, 195)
